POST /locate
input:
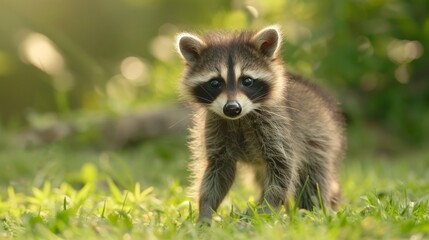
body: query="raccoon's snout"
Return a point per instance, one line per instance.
(232, 109)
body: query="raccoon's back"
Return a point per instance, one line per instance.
(305, 96)
(315, 114)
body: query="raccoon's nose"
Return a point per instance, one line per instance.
(232, 109)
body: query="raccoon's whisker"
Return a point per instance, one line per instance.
(208, 93)
(205, 90)
(276, 114)
(289, 100)
(198, 114)
(260, 97)
(260, 89)
(204, 111)
(179, 121)
(285, 99)
(205, 99)
(291, 108)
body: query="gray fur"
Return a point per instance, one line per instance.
(295, 134)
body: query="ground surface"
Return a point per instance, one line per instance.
(58, 191)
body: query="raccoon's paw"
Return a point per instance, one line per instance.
(204, 221)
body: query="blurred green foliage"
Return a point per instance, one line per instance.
(116, 56)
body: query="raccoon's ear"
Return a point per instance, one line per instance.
(189, 47)
(268, 41)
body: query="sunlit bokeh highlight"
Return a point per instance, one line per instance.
(253, 11)
(162, 47)
(401, 74)
(40, 51)
(134, 69)
(401, 51)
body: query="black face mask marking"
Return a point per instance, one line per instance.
(207, 92)
(257, 91)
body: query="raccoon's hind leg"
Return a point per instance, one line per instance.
(311, 188)
(318, 179)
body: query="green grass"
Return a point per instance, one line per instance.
(58, 191)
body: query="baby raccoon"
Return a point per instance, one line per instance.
(250, 110)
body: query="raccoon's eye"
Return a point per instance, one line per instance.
(215, 83)
(247, 81)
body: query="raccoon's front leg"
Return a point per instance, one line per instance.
(277, 180)
(279, 161)
(217, 180)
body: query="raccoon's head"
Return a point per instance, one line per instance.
(232, 74)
